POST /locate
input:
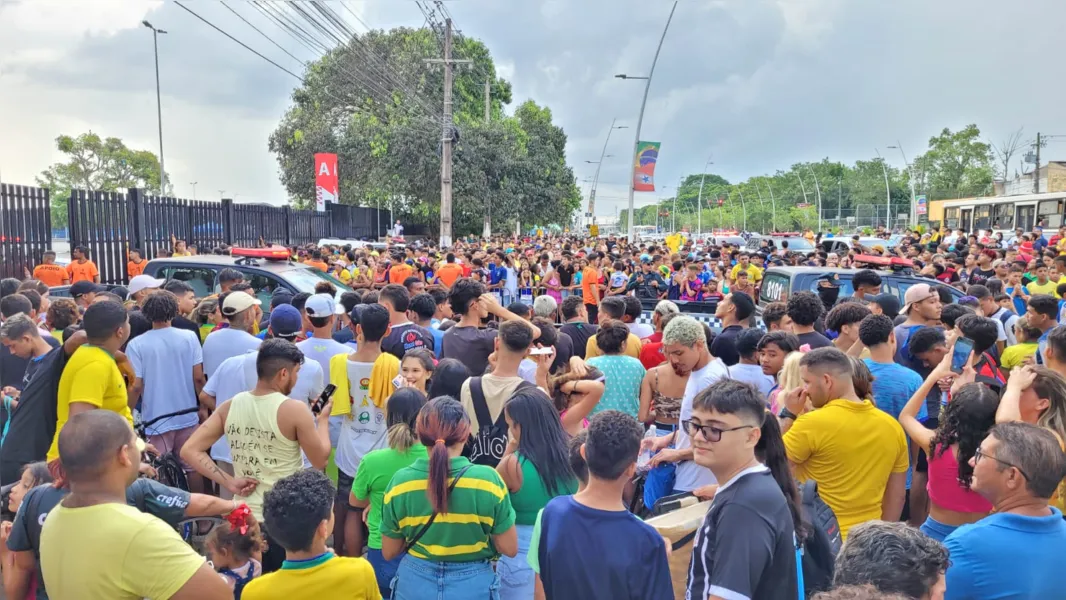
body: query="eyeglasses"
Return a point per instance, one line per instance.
(710, 432)
(979, 454)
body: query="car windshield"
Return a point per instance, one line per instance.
(305, 280)
(799, 244)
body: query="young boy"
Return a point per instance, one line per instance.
(300, 510)
(588, 545)
(1027, 336)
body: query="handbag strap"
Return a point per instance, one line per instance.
(433, 517)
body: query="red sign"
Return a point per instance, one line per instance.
(720, 201)
(326, 178)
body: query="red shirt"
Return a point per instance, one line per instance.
(651, 354)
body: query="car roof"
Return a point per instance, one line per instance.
(820, 270)
(223, 261)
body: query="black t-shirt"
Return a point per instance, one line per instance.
(745, 547)
(814, 339)
(181, 322)
(17, 372)
(470, 346)
(564, 350)
(405, 337)
(724, 345)
(566, 275)
(579, 334)
(980, 276)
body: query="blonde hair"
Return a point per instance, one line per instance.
(789, 377)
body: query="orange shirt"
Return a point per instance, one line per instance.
(449, 272)
(321, 266)
(135, 269)
(82, 271)
(398, 273)
(590, 277)
(51, 274)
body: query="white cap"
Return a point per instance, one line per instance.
(144, 282)
(322, 305)
(238, 302)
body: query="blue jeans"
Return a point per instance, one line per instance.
(418, 579)
(384, 570)
(516, 576)
(659, 481)
(935, 529)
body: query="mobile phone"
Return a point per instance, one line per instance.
(323, 398)
(961, 354)
(536, 351)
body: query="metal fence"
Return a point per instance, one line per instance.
(25, 228)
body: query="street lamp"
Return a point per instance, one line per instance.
(910, 177)
(888, 192)
(599, 163)
(699, 202)
(640, 119)
(193, 184)
(818, 190)
(158, 104)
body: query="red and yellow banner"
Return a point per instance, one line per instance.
(644, 176)
(326, 180)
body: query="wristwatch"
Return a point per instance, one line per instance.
(785, 413)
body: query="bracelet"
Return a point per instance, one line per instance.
(785, 413)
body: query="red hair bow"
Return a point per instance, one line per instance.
(238, 519)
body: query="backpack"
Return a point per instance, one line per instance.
(823, 540)
(488, 443)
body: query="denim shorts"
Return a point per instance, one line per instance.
(384, 570)
(419, 579)
(517, 578)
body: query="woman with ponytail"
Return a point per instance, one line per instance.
(536, 468)
(746, 546)
(444, 517)
(373, 477)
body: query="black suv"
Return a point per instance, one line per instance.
(779, 282)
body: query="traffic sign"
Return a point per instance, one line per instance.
(922, 206)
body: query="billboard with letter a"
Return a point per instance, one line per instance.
(326, 179)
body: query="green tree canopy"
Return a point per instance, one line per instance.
(96, 164)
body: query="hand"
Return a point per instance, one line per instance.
(657, 443)
(706, 492)
(655, 283)
(669, 455)
(796, 400)
(492, 361)
(1021, 378)
(544, 361)
(968, 375)
(322, 419)
(241, 486)
(10, 391)
(944, 383)
(5, 531)
(640, 279)
(366, 511)
(147, 470)
(579, 367)
(491, 304)
(943, 369)
(150, 449)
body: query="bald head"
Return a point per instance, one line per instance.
(90, 442)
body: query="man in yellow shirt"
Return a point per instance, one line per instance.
(612, 307)
(1043, 284)
(91, 378)
(300, 507)
(744, 264)
(855, 452)
(94, 545)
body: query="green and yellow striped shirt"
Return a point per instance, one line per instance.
(478, 508)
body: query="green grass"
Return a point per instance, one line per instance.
(331, 468)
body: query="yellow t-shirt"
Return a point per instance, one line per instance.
(849, 449)
(1013, 356)
(1048, 288)
(754, 273)
(327, 577)
(632, 347)
(113, 551)
(91, 376)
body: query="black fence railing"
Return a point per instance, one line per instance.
(25, 228)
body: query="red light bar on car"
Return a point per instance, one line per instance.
(269, 253)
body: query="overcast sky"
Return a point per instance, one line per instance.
(758, 84)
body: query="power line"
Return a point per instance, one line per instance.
(246, 46)
(260, 32)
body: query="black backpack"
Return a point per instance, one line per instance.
(488, 443)
(823, 540)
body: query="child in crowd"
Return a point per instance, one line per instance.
(1027, 337)
(415, 369)
(235, 547)
(691, 286)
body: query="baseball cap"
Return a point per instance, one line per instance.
(80, 288)
(889, 304)
(917, 293)
(280, 296)
(322, 305)
(645, 258)
(285, 320)
(238, 302)
(144, 282)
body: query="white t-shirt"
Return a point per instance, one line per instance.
(1006, 330)
(690, 475)
(753, 374)
(511, 285)
(364, 428)
(641, 330)
(237, 374)
(226, 343)
(164, 359)
(527, 369)
(321, 350)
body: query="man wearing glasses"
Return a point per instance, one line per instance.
(1016, 551)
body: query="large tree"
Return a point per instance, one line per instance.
(956, 165)
(375, 102)
(96, 164)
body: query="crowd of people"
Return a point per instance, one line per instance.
(497, 419)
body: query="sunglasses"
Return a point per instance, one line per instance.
(979, 454)
(710, 432)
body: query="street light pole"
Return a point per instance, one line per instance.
(818, 190)
(640, 118)
(910, 177)
(158, 105)
(596, 179)
(773, 208)
(699, 201)
(193, 183)
(888, 192)
(744, 208)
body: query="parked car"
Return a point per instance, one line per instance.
(780, 282)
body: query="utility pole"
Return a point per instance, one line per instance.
(773, 208)
(699, 201)
(488, 97)
(446, 138)
(158, 105)
(888, 193)
(1036, 171)
(818, 190)
(486, 231)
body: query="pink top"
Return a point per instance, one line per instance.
(945, 489)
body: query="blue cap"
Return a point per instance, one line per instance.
(285, 321)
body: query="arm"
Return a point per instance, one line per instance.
(19, 574)
(207, 400)
(134, 392)
(205, 584)
(576, 413)
(506, 543)
(195, 453)
(509, 469)
(644, 412)
(391, 547)
(353, 528)
(908, 417)
(204, 505)
(1020, 380)
(505, 315)
(895, 492)
(199, 380)
(312, 432)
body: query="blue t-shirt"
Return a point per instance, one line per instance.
(438, 340)
(622, 376)
(1019, 303)
(893, 386)
(1007, 556)
(908, 360)
(590, 554)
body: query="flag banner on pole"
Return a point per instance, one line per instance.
(646, 157)
(326, 179)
